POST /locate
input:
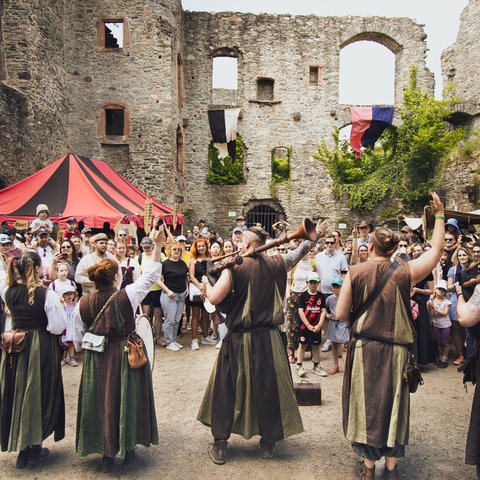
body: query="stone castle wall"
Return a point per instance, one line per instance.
(282, 48)
(58, 80)
(32, 91)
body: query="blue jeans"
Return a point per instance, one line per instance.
(172, 312)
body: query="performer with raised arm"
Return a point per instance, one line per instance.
(376, 400)
(250, 391)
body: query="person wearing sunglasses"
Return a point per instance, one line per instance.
(329, 264)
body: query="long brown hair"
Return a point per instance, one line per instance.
(23, 268)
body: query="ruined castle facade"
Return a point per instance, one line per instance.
(141, 105)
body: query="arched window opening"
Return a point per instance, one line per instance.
(367, 74)
(225, 73)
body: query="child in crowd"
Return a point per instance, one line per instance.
(438, 308)
(42, 220)
(311, 309)
(337, 332)
(67, 290)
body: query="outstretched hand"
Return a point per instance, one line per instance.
(436, 204)
(321, 227)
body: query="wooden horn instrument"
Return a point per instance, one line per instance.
(306, 231)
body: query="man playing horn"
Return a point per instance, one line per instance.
(250, 391)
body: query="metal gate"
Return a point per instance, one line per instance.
(264, 215)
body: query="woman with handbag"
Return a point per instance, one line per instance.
(197, 268)
(375, 300)
(32, 404)
(115, 406)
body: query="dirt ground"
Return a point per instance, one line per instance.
(439, 420)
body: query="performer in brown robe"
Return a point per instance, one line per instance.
(376, 403)
(250, 391)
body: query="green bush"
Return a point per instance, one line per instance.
(226, 171)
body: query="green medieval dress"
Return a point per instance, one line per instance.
(116, 408)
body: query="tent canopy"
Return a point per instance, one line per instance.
(80, 187)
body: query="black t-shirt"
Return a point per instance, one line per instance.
(175, 275)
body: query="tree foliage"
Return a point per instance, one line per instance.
(281, 167)
(405, 163)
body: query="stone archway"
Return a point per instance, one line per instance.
(266, 212)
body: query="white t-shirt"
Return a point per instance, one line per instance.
(441, 321)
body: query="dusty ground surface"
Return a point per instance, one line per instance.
(440, 413)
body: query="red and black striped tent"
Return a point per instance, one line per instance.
(80, 187)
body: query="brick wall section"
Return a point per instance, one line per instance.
(279, 47)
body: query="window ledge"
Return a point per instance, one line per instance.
(266, 102)
(114, 140)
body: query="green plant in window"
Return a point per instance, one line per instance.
(281, 167)
(226, 171)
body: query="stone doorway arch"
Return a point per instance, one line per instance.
(265, 212)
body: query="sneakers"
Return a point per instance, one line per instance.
(267, 449)
(172, 346)
(442, 364)
(301, 371)
(179, 345)
(218, 452)
(459, 361)
(195, 345)
(73, 362)
(219, 344)
(318, 370)
(63, 362)
(327, 346)
(208, 341)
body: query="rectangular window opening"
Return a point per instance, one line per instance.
(113, 33)
(314, 76)
(114, 122)
(225, 73)
(265, 89)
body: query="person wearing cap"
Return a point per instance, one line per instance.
(66, 289)
(311, 311)
(439, 308)
(382, 335)
(99, 244)
(42, 220)
(46, 248)
(72, 228)
(337, 332)
(86, 234)
(186, 255)
(235, 400)
(5, 247)
(241, 222)
(16, 249)
(406, 234)
(237, 234)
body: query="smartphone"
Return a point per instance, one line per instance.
(159, 224)
(64, 256)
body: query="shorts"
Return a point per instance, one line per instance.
(152, 299)
(442, 335)
(307, 337)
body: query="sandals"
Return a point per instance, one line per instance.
(291, 358)
(334, 370)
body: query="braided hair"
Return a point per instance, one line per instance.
(23, 268)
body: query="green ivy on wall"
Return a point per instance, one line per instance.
(281, 167)
(226, 171)
(406, 162)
